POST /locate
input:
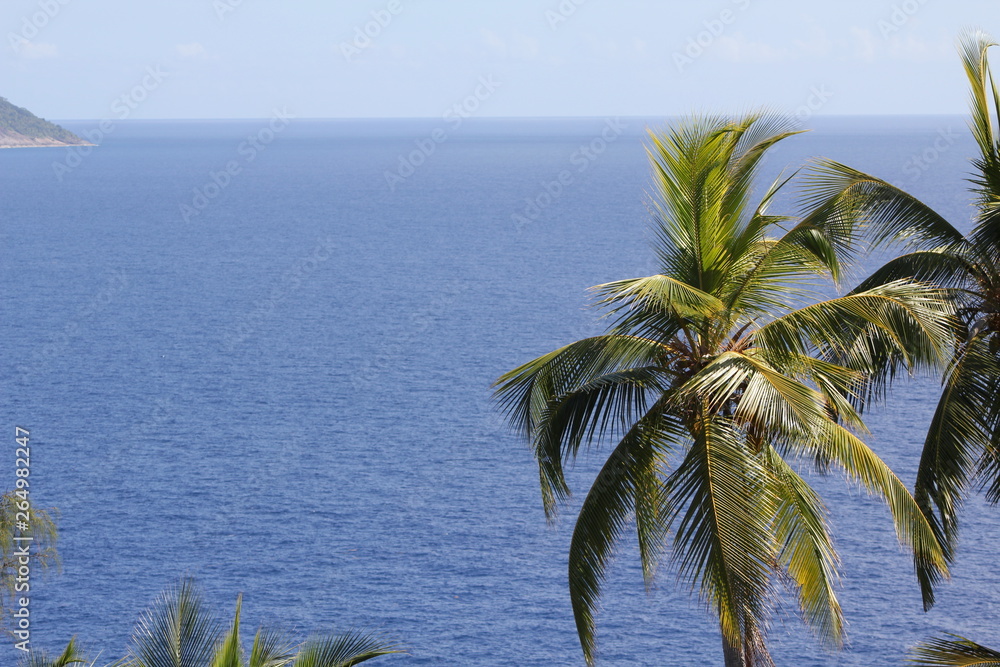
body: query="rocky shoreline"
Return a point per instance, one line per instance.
(10, 139)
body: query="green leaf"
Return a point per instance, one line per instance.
(344, 650)
(953, 651)
(628, 482)
(176, 631)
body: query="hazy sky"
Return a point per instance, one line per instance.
(93, 59)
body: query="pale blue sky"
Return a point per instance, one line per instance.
(76, 59)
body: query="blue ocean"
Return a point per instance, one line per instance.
(260, 352)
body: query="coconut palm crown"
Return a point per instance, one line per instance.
(962, 446)
(713, 377)
(178, 631)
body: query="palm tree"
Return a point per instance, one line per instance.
(71, 655)
(178, 632)
(953, 651)
(712, 374)
(962, 446)
(14, 506)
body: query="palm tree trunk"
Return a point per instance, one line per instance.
(732, 654)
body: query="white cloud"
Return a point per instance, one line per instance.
(192, 50)
(915, 49)
(495, 45)
(818, 44)
(519, 46)
(739, 49)
(37, 51)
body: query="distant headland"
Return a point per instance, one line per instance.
(19, 128)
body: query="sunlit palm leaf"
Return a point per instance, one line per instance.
(270, 649)
(862, 464)
(344, 650)
(659, 293)
(842, 196)
(985, 108)
(896, 327)
(724, 544)
(229, 653)
(525, 392)
(807, 552)
(71, 655)
(175, 632)
(773, 274)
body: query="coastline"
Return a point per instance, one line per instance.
(13, 139)
(44, 144)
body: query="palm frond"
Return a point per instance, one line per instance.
(953, 651)
(344, 650)
(844, 198)
(658, 293)
(702, 175)
(985, 109)
(807, 552)
(628, 482)
(175, 632)
(769, 275)
(577, 393)
(898, 326)
(724, 545)
(973, 47)
(229, 652)
(941, 267)
(956, 440)
(270, 649)
(70, 655)
(770, 401)
(856, 458)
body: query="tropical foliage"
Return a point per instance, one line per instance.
(71, 655)
(953, 651)
(43, 553)
(715, 375)
(177, 631)
(962, 446)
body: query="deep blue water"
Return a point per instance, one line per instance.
(288, 394)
